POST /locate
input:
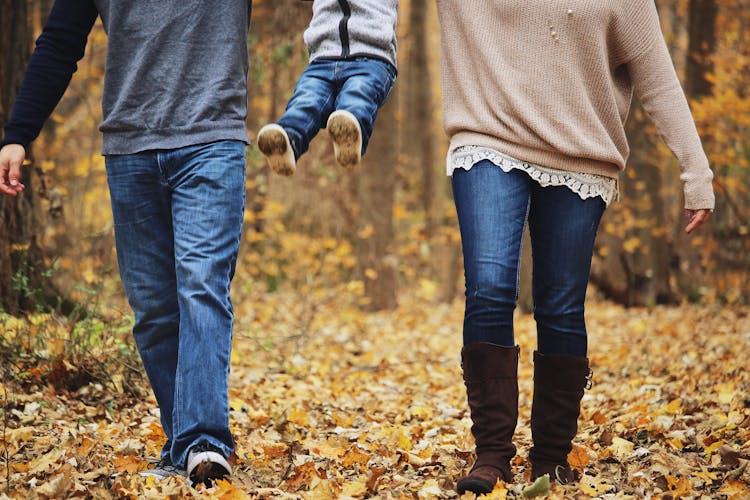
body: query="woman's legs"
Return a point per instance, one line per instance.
(491, 206)
(563, 228)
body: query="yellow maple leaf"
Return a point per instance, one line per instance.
(404, 441)
(299, 417)
(355, 456)
(228, 491)
(236, 404)
(675, 443)
(594, 486)
(673, 407)
(713, 447)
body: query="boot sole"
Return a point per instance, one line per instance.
(346, 135)
(477, 486)
(274, 144)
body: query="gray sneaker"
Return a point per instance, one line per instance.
(163, 469)
(205, 464)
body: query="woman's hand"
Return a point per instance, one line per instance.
(696, 218)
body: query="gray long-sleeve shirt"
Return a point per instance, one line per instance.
(176, 72)
(351, 28)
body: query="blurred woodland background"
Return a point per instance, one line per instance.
(389, 227)
(348, 296)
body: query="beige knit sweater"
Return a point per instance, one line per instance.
(551, 82)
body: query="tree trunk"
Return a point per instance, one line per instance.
(636, 265)
(377, 187)
(701, 46)
(702, 26)
(420, 110)
(22, 286)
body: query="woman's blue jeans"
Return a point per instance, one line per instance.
(493, 207)
(178, 217)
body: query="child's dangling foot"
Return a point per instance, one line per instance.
(346, 134)
(273, 142)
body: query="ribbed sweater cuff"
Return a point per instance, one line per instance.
(699, 195)
(15, 137)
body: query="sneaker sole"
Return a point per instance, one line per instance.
(159, 476)
(274, 144)
(345, 133)
(206, 467)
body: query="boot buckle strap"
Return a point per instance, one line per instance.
(589, 379)
(562, 474)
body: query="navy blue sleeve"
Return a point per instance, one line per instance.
(51, 66)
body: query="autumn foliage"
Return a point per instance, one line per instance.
(330, 399)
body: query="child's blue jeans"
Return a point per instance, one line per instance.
(359, 85)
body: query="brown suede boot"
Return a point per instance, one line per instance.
(491, 378)
(559, 382)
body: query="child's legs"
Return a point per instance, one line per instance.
(366, 85)
(310, 105)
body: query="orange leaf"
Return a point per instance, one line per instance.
(578, 458)
(355, 456)
(129, 464)
(599, 418)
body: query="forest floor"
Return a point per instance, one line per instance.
(330, 402)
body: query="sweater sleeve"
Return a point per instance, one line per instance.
(634, 29)
(658, 88)
(51, 66)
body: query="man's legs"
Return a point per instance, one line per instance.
(141, 208)
(208, 196)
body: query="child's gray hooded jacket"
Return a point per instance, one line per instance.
(341, 29)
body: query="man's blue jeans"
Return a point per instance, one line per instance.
(493, 207)
(360, 86)
(178, 217)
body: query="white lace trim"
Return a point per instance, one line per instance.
(584, 185)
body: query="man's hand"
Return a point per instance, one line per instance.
(11, 159)
(696, 218)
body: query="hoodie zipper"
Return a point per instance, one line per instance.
(344, 27)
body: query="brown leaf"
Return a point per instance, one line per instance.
(58, 486)
(729, 456)
(375, 474)
(303, 475)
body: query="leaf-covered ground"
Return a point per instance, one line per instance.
(328, 402)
